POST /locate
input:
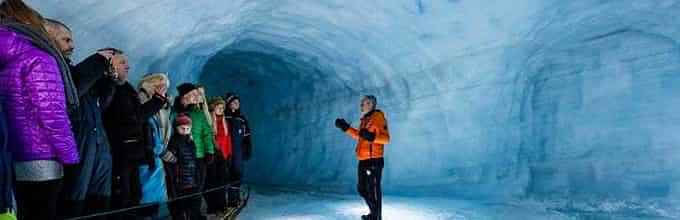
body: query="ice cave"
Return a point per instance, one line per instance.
(523, 109)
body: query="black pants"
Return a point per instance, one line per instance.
(92, 205)
(202, 172)
(150, 212)
(37, 200)
(127, 188)
(188, 208)
(235, 174)
(370, 175)
(216, 177)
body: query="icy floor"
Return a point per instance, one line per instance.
(284, 205)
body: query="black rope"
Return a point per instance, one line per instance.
(146, 205)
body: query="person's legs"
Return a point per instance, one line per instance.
(235, 181)
(375, 189)
(150, 211)
(127, 188)
(369, 185)
(362, 183)
(216, 178)
(125, 193)
(210, 183)
(76, 182)
(223, 179)
(69, 208)
(121, 190)
(97, 204)
(116, 188)
(51, 196)
(176, 209)
(99, 191)
(37, 200)
(135, 186)
(187, 208)
(202, 172)
(193, 209)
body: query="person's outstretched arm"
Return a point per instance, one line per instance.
(88, 72)
(344, 126)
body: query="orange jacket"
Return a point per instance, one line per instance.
(375, 122)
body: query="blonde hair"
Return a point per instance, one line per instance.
(147, 86)
(151, 81)
(204, 105)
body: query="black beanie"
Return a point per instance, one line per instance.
(185, 88)
(230, 97)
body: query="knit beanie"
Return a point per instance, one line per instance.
(182, 119)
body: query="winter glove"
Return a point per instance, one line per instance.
(342, 124)
(168, 157)
(365, 134)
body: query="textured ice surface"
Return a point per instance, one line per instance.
(568, 101)
(286, 205)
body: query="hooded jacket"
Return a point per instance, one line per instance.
(32, 92)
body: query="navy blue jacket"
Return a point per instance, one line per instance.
(184, 174)
(93, 175)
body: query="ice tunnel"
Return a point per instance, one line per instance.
(565, 107)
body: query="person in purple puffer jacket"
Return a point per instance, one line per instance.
(37, 97)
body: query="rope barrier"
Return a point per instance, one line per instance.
(147, 205)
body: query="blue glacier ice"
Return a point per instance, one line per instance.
(571, 106)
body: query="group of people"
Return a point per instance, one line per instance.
(80, 139)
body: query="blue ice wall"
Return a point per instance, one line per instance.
(485, 99)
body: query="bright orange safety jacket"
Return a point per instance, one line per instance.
(375, 122)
